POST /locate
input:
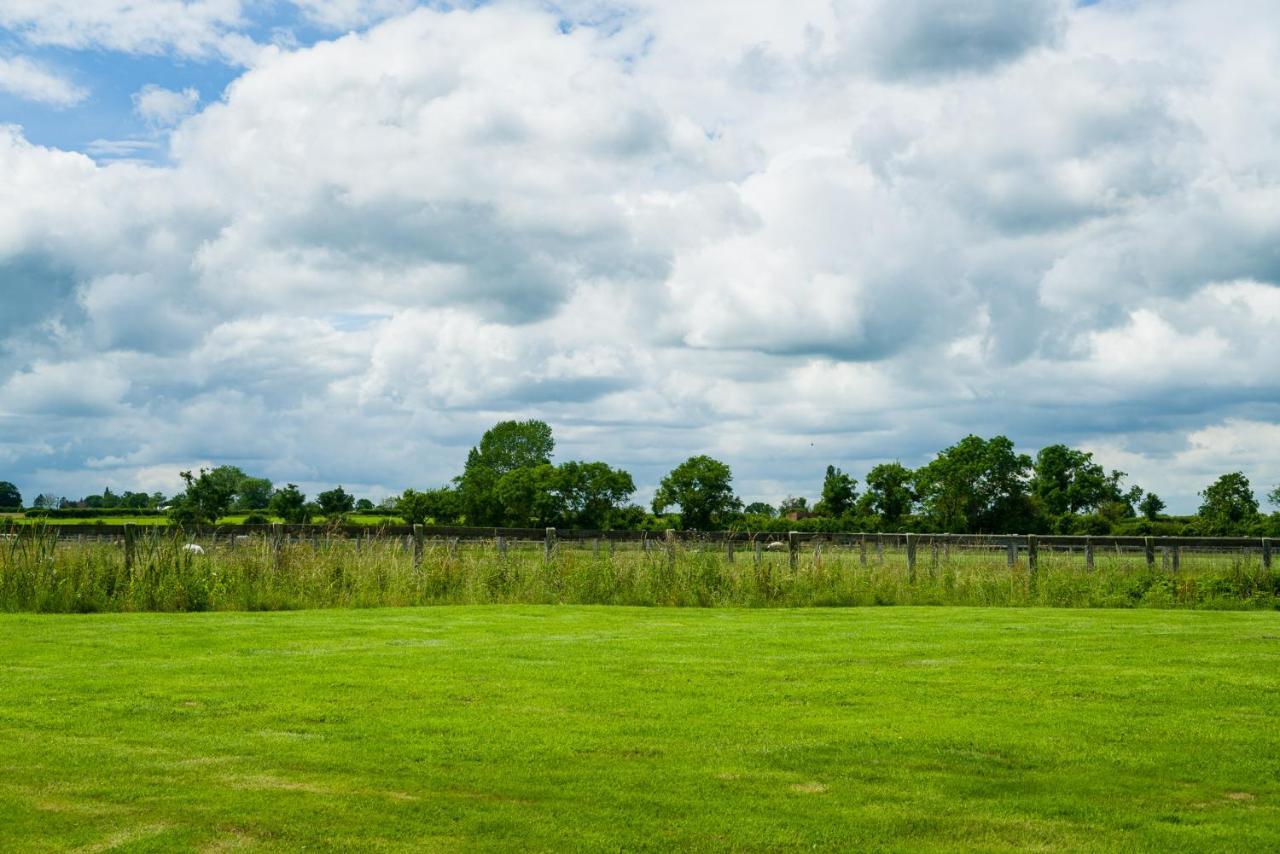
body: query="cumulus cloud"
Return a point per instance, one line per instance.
(161, 108)
(927, 38)
(193, 28)
(798, 234)
(29, 80)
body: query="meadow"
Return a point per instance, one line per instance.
(605, 729)
(41, 572)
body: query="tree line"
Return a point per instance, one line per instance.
(977, 486)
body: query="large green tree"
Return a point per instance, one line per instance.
(207, 497)
(978, 486)
(505, 447)
(292, 506)
(9, 495)
(890, 493)
(703, 489)
(336, 502)
(593, 494)
(1228, 503)
(1067, 480)
(530, 496)
(839, 492)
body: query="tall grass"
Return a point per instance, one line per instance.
(39, 572)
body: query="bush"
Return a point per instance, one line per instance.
(255, 519)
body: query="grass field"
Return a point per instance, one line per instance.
(625, 729)
(40, 572)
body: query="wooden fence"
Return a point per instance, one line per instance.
(1170, 549)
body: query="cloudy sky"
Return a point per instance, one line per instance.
(332, 241)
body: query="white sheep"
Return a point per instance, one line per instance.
(776, 545)
(192, 548)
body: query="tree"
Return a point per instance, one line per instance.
(364, 504)
(505, 447)
(702, 488)
(839, 492)
(335, 502)
(252, 493)
(438, 505)
(1228, 503)
(530, 496)
(890, 494)
(291, 505)
(206, 499)
(1273, 497)
(1150, 506)
(593, 494)
(793, 504)
(1069, 481)
(9, 495)
(414, 507)
(976, 486)
(759, 508)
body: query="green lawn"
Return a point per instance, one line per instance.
(579, 728)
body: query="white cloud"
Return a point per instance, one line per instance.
(162, 108)
(796, 234)
(33, 82)
(350, 14)
(193, 28)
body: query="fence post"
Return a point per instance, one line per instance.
(728, 548)
(1011, 553)
(793, 548)
(1088, 553)
(933, 558)
(128, 548)
(502, 546)
(1150, 546)
(862, 551)
(880, 549)
(1177, 559)
(817, 556)
(595, 547)
(911, 558)
(1266, 552)
(671, 548)
(756, 548)
(417, 546)
(1164, 558)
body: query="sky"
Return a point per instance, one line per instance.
(332, 241)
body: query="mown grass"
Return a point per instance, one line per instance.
(578, 728)
(38, 572)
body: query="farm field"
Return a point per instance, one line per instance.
(618, 728)
(40, 571)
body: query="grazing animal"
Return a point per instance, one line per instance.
(776, 545)
(192, 548)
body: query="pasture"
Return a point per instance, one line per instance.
(157, 571)
(578, 728)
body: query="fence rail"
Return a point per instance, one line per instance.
(1169, 549)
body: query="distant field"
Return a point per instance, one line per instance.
(606, 729)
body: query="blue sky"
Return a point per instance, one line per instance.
(333, 240)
